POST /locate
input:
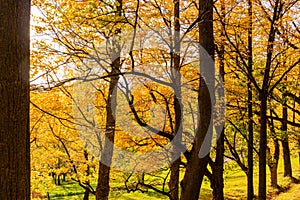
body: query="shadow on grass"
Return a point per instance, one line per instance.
(58, 196)
(66, 189)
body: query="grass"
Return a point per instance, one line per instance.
(236, 181)
(292, 194)
(72, 191)
(235, 187)
(68, 190)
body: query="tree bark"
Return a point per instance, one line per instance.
(102, 190)
(273, 174)
(299, 150)
(199, 157)
(86, 195)
(58, 179)
(285, 139)
(273, 164)
(264, 93)
(218, 165)
(250, 189)
(64, 177)
(272, 160)
(175, 161)
(262, 191)
(14, 101)
(286, 158)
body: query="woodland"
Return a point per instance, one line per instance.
(150, 99)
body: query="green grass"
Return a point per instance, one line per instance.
(71, 190)
(236, 181)
(68, 190)
(235, 187)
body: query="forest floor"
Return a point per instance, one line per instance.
(292, 194)
(235, 187)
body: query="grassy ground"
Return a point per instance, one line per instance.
(292, 194)
(235, 187)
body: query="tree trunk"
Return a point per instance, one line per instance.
(263, 95)
(262, 191)
(14, 101)
(299, 150)
(272, 160)
(86, 157)
(273, 174)
(286, 158)
(250, 189)
(285, 139)
(273, 163)
(175, 161)
(53, 177)
(86, 195)
(58, 179)
(199, 154)
(218, 169)
(102, 190)
(218, 165)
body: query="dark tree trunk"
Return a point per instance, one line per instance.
(262, 191)
(175, 165)
(299, 150)
(218, 169)
(14, 100)
(64, 177)
(86, 195)
(285, 139)
(174, 179)
(286, 158)
(199, 154)
(273, 174)
(218, 166)
(53, 177)
(102, 190)
(273, 164)
(86, 157)
(58, 180)
(263, 95)
(272, 160)
(250, 189)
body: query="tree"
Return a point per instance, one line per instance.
(217, 166)
(263, 97)
(84, 46)
(14, 101)
(285, 139)
(79, 28)
(196, 165)
(273, 70)
(105, 162)
(56, 148)
(272, 159)
(175, 165)
(250, 188)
